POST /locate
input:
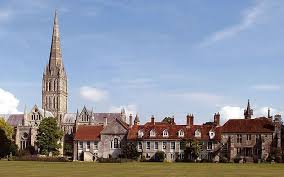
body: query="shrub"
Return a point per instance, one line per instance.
(38, 158)
(223, 160)
(158, 157)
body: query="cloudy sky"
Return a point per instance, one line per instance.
(158, 57)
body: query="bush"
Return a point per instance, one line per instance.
(223, 160)
(158, 157)
(237, 159)
(38, 158)
(206, 161)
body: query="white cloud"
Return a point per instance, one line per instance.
(93, 94)
(129, 109)
(231, 112)
(250, 17)
(8, 103)
(236, 112)
(266, 87)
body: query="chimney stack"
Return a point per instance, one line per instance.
(153, 120)
(217, 119)
(189, 119)
(130, 120)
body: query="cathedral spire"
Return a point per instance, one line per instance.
(55, 58)
(248, 112)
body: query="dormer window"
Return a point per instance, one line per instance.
(140, 133)
(181, 133)
(197, 133)
(211, 134)
(165, 133)
(152, 133)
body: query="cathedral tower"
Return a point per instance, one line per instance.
(54, 81)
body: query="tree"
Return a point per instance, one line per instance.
(49, 136)
(192, 149)
(9, 130)
(6, 145)
(158, 157)
(68, 149)
(129, 150)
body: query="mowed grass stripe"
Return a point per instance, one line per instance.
(85, 169)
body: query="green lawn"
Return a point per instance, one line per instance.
(19, 169)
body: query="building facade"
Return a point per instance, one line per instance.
(173, 139)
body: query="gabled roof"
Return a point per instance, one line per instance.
(257, 125)
(15, 119)
(173, 129)
(88, 132)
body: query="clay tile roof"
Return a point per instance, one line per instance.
(257, 125)
(189, 132)
(88, 132)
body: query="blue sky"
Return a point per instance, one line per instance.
(158, 57)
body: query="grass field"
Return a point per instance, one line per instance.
(20, 168)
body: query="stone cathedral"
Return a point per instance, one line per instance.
(54, 81)
(55, 104)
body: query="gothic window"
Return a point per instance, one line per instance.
(46, 102)
(46, 86)
(55, 85)
(49, 102)
(24, 141)
(49, 86)
(115, 143)
(165, 133)
(57, 103)
(211, 134)
(54, 103)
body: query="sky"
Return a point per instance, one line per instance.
(161, 58)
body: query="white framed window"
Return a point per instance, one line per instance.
(164, 145)
(165, 133)
(173, 145)
(248, 137)
(152, 133)
(211, 134)
(140, 145)
(209, 145)
(156, 145)
(88, 145)
(80, 145)
(181, 133)
(239, 138)
(148, 145)
(197, 133)
(95, 145)
(140, 133)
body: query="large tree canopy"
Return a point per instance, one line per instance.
(49, 136)
(7, 128)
